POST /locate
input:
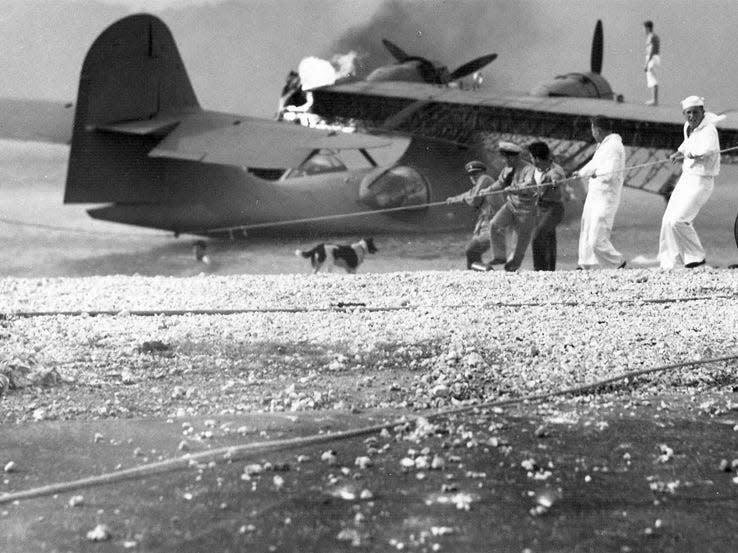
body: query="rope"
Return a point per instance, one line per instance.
(58, 228)
(242, 451)
(430, 204)
(342, 306)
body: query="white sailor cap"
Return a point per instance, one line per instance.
(692, 101)
(509, 148)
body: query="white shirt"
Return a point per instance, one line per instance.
(606, 168)
(702, 142)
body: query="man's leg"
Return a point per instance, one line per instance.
(544, 241)
(607, 256)
(587, 234)
(652, 82)
(524, 225)
(475, 248)
(539, 247)
(498, 237)
(678, 237)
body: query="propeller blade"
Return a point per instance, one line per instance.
(472, 66)
(398, 53)
(598, 49)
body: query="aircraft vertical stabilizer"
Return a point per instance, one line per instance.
(133, 78)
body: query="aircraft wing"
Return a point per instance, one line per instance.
(36, 120)
(215, 137)
(457, 115)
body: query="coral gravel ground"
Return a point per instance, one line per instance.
(398, 340)
(331, 352)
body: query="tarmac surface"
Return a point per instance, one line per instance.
(609, 473)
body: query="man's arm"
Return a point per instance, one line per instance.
(589, 169)
(553, 177)
(702, 143)
(525, 184)
(610, 167)
(471, 196)
(649, 51)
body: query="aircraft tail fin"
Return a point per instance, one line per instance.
(133, 90)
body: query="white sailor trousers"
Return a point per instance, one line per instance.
(679, 240)
(598, 215)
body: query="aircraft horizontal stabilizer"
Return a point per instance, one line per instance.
(159, 125)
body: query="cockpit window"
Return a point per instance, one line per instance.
(323, 161)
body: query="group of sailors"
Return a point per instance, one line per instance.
(526, 200)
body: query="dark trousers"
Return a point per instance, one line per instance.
(544, 238)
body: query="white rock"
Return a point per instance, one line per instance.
(101, 532)
(363, 462)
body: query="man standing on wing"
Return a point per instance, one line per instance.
(653, 60)
(606, 172)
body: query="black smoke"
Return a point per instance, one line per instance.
(447, 32)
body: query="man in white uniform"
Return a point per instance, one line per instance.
(653, 60)
(606, 172)
(701, 154)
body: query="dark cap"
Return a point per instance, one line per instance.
(475, 167)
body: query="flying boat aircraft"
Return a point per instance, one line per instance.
(146, 152)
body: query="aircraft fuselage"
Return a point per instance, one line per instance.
(206, 198)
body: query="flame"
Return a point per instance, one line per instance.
(315, 72)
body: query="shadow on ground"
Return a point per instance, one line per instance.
(616, 475)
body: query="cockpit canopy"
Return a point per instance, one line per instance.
(331, 161)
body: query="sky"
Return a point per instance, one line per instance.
(237, 52)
